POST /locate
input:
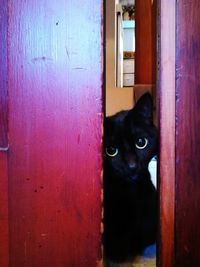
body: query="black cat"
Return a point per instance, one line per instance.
(130, 208)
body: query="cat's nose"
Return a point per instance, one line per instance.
(132, 164)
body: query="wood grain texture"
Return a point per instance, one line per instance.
(166, 80)
(187, 241)
(3, 75)
(145, 55)
(4, 236)
(55, 89)
(4, 232)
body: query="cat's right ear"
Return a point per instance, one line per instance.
(144, 108)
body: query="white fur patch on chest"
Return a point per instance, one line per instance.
(153, 171)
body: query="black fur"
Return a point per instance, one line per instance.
(130, 208)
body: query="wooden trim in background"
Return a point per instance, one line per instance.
(166, 79)
(145, 41)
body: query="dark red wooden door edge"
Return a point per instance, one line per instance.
(187, 211)
(166, 89)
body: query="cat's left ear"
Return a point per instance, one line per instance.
(144, 108)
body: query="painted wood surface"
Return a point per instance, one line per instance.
(187, 241)
(3, 75)
(3, 138)
(55, 118)
(4, 231)
(166, 85)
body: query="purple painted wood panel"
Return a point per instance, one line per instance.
(3, 137)
(3, 76)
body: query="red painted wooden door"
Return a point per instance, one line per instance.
(53, 67)
(179, 74)
(187, 211)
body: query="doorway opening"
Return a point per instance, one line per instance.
(130, 83)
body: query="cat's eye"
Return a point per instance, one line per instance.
(141, 143)
(111, 151)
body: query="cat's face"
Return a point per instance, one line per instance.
(130, 139)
